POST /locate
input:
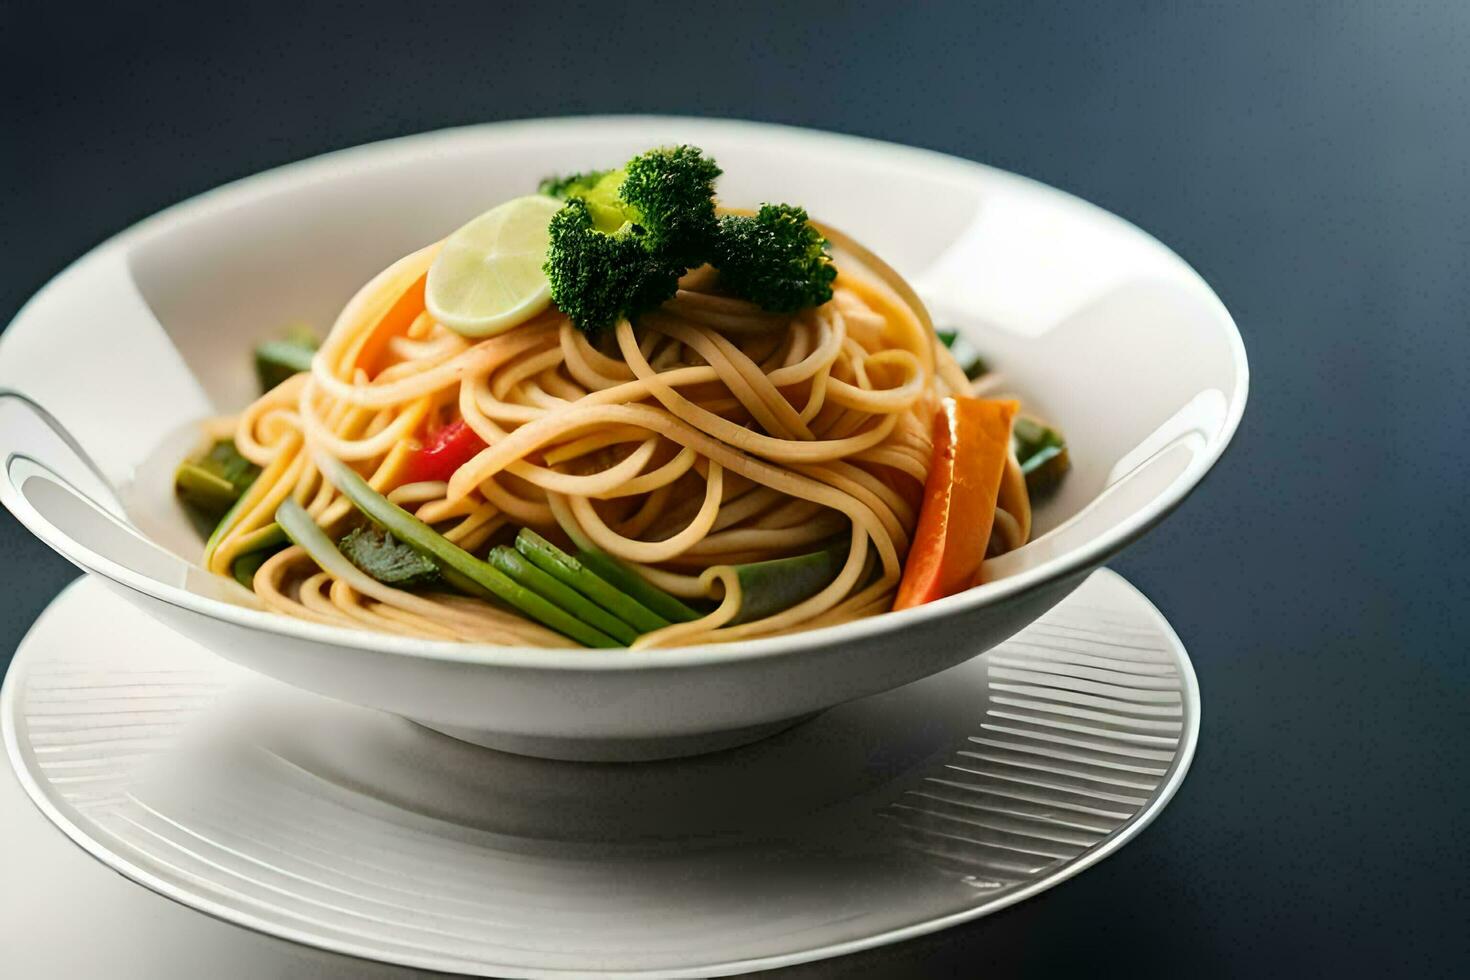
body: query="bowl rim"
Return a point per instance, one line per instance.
(241, 193)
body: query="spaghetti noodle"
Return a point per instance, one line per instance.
(708, 435)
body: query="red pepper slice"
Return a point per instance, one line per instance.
(972, 438)
(447, 450)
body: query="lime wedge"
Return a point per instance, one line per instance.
(488, 276)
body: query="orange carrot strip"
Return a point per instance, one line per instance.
(395, 323)
(972, 438)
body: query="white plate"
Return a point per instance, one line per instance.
(1099, 327)
(358, 832)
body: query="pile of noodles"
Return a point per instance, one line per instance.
(707, 434)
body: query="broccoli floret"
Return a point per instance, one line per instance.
(572, 185)
(625, 236)
(599, 188)
(670, 193)
(776, 259)
(598, 276)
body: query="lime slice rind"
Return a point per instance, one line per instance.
(488, 278)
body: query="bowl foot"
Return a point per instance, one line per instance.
(617, 749)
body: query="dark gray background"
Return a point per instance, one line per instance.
(1309, 160)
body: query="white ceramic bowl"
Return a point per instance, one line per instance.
(1096, 325)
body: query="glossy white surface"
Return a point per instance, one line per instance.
(354, 831)
(1100, 328)
(114, 929)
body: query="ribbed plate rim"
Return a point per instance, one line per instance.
(79, 835)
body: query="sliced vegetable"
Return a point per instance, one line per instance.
(447, 450)
(206, 497)
(769, 587)
(971, 446)
(460, 568)
(305, 533)
(224, 463)
(209, 485)
(245, 567)
(562, 566)
(623, 578)
(277, 360)
(269, 540)
(512, 563)
(387, 559)
(487, 278)
(964, 352)
(1042, 453)
(394, 323)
